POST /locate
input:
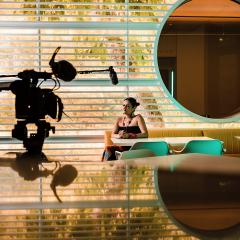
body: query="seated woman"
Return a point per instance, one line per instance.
(130, 125)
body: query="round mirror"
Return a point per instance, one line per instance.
(199, 57)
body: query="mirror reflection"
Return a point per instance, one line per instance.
(199, 57)
(200, 196)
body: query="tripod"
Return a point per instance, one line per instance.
(34, 142)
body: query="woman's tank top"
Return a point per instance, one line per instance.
(130, 129)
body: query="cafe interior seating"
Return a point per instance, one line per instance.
(225, 135)
(145, 149)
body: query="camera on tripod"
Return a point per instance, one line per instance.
(33, 104)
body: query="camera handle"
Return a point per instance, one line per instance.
(34, 142)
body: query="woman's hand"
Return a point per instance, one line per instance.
(123, 134)
(120, 134)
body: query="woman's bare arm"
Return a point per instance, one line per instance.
(115, 133)
(142, 126)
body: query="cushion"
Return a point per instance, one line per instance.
(231, 144)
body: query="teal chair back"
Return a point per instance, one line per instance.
(211, 147)
(139, 153)
(158, 148)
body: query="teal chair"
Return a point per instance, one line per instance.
(139, 153)
(211, 147)
(158, 148)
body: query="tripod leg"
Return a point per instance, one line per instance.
(34, 144)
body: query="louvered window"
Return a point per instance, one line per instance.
(92, 36)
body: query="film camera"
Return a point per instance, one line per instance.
(33, 104)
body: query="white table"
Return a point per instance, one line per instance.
(170, 140)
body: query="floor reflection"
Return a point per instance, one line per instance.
(201, 193)
(31, 167)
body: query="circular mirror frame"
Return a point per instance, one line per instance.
(176, 103)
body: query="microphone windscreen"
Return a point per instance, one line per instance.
(113, 76)
(64, 70)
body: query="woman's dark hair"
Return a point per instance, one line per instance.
(132, 101)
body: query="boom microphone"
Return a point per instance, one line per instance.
(113, 76)
(67, 72)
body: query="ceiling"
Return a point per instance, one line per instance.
(207, 11)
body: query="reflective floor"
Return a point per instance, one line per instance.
(45, 198)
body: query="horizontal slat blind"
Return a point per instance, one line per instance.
(93, 35)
